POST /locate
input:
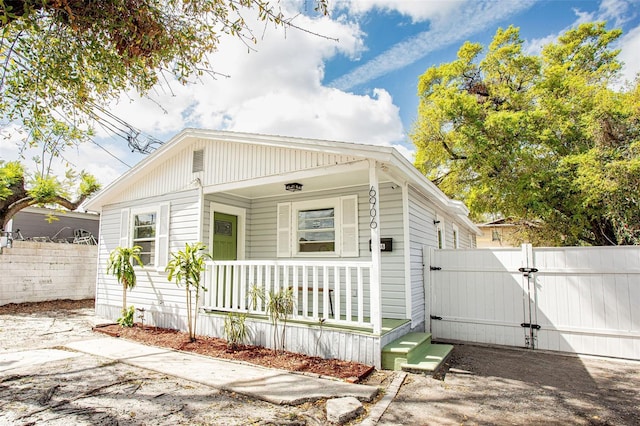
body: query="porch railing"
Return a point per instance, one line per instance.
(328, 292)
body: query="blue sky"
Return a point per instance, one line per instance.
(361, 88)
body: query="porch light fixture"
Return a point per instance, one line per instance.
(435, 222)
(293, 187)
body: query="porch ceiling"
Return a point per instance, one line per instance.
(251, 189)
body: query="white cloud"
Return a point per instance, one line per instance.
(418, 11)
(276, 89)
(629, 47)
(469, 18)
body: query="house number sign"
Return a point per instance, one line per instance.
(373, 212)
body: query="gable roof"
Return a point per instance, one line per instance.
(382, 154)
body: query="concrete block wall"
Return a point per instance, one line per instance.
(36, 272)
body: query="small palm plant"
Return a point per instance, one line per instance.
(121, 266)
(278, 305)
(186, 267)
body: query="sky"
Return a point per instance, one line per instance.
(353, 80)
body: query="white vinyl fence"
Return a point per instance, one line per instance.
(572, 299)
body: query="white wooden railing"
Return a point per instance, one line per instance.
(331, 292)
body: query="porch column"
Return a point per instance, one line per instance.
(374, 225)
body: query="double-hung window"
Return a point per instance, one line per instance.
(147, 227)
(316, 230)
(144, 235)
(320, 228)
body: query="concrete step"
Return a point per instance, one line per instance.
(430, 360)
(414, 352)
(400, 350)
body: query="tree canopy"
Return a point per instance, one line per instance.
(63, 61)
(550, 140)
(17, 191)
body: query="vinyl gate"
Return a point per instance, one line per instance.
(570, 299)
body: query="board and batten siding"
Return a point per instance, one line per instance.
(226, 162)
(163, 301)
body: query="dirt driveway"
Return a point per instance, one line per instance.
(482, 386)
(79, 389)
(515, 386)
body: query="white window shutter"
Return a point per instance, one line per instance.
(283, 244)
(124, 228)
(349, 229)
(162, 237)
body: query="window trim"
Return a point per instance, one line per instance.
(140, 211)
(317, 204)
(161, 249)
(346, 227)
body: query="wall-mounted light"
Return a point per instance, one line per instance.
(293, 187)
(435, 222)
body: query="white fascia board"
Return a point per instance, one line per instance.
(101, 198)
(379, 153)
(469, 224)
(376, 152)
(419, 180)
(452, 207)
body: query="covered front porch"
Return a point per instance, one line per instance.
(334, 314)
(334, 294)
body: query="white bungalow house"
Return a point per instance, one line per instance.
(344, 225)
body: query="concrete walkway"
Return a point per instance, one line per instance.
(275, 386)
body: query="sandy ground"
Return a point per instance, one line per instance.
(482, 386)
(502, 386)
(86, 390)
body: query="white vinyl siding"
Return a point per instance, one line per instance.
(225, 162)
(316, 228)
(283, 230)
(455, 236)
(152, 292)
(392, 273)
(422, 232)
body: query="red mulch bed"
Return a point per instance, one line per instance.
(215, 347)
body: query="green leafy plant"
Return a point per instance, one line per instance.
(279, 305)
(126, 320)
(121, 266)
(235, 330)
(186, 268)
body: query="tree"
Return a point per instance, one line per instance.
(186, 267)
(63, 61)
(121, 266)
(18, 192)
(543, 139)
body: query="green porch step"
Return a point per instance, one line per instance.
(415, 352)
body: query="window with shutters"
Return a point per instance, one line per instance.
(144, 235)
(316, 228)
(147, 227)
(316, 231)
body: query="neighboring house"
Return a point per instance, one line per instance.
(496, 233)
(344, 225)
(44, 224)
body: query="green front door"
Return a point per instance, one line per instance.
(225, 236)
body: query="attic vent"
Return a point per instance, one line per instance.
(198, 161)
